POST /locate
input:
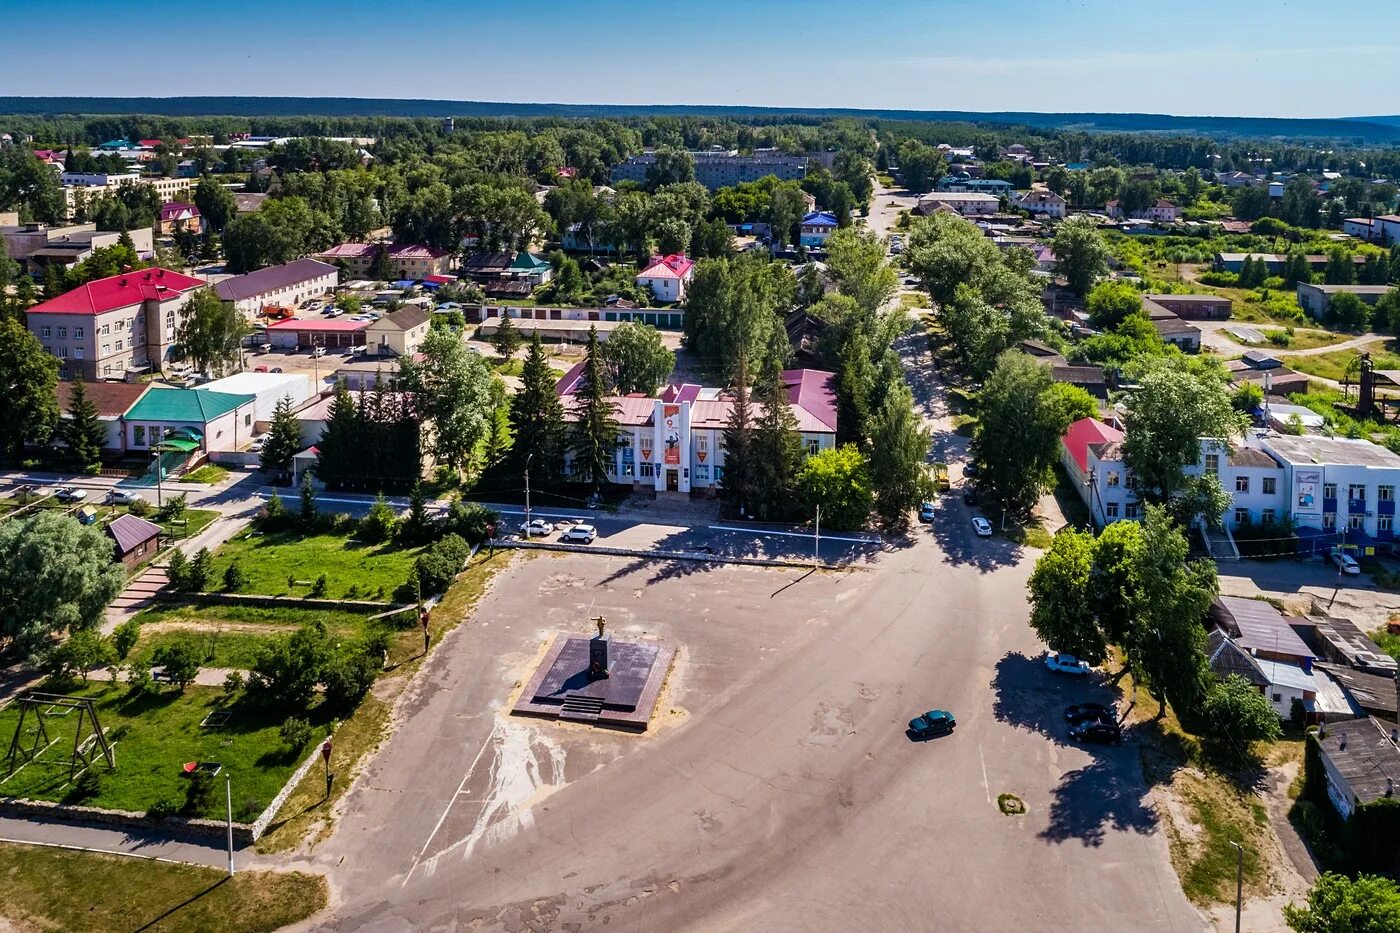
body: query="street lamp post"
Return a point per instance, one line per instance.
(817, 540)
(527, 494)
(1239, 882)
(228, 802)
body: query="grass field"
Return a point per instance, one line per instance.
(162, 732)
(206, 474)
(196, 520)
(216, 648)
(82, 892)
(1334, 365)
(232, 636)
(367, 571)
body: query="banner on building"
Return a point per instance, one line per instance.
(671, 433)
(1305, 492)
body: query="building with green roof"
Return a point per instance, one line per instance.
(219, 420)
(534, 269)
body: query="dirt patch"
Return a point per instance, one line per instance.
(251, 628)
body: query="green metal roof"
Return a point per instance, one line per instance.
(529, 262)
(178, 443)
(197, 406)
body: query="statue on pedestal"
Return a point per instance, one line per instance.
(598, 651)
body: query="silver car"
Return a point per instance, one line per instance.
(583, 534)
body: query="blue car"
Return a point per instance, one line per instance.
(934, 722)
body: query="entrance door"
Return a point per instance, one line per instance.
(672, 480)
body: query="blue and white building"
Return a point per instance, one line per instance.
(817, 227)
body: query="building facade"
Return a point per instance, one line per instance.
(287, 285)
(114, 328)
(667, 277)
(717, 170)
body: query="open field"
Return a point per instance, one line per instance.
(81, 892)
(352, 569)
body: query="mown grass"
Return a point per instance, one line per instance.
(216, 649)
(216, 613)
(82, 892)
(206, 474)
(352, 569)
(162, 732)
(195, 521)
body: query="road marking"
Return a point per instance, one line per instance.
(986, 788)
(490, 740)
(792, 534)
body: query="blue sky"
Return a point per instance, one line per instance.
(1233, 57)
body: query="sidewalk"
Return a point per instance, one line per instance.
(141, 843)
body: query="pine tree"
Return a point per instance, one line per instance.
(83, 432)
(537, 418)
(737, 481)
(308, 503)
(283, 439)
(338, 447)
(777, 447)
(506, 340)
(595, 432)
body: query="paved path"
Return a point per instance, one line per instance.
(153, 843)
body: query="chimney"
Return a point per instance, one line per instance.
(1342, 743)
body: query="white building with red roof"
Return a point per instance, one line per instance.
(667, 276)
(674, 442)
(115, 327)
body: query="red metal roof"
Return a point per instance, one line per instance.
(814, 391)
(1084, 432)
(120, 291)
(674, 266)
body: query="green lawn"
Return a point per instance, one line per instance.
(206, 474)
(216, 649)
(164, 732)
(216, 613)
(83, 892)
(196, 520)
(232, 636)
(270, 559)
(508, 367)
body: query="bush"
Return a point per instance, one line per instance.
(233, 683)
(318, 589)
(437, 566)
(179, 662)
(177, 568)
(275, 515)
(348, 677)
(378, 524)
(162, 810)
(470, 521)
(140, 508)
(198, 572)
(138, 680)
(173, 509)
(287, 671)
(125, 637)
(235, 578)
(295, 733)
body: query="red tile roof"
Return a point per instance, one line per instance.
(111, 399)
(120, 291)
(349, 251)
(814, 391)
(1084, 432)
(176, 210)
(674, 266)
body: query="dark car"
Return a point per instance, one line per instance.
(1082, 711)
(1105, 733)
(969, 469)
(934, 722)
(970, 497)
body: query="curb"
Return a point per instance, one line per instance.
(113, 852)
(672, 555)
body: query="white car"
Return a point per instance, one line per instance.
(71, 494)
(581, 533)
(319, 351)
(926, 512)
(258, 444)
(536, 526)
(982, 527)
(121, 497)
(1066, 664)
(1345, 562)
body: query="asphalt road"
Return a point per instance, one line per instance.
(778, 789)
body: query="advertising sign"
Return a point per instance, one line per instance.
(671, 433)
(1306, 488)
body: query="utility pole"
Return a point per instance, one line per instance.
(527, 495)
(228, 802)
(817, 540)
(1239, 881)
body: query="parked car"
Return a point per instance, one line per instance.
(536, 526)
(71, 494)
(969, 469)
(334, 312)
(970, 497)
(121, 497)
(1096, 730)
(934, 722)
(264, 348)
(1081, 712)
(259, 369)
(582, 533)
(318, 351)
(981, 526)
(1066, 663)
(1345, 562)
(926, 512)
(276, 369)
(258, 444)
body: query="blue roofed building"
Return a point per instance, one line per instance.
(817, 227)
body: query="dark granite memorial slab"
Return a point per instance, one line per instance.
(562, 688)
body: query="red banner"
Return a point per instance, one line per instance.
(671, 435)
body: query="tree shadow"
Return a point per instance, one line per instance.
(952, 529)
(1108, 794)
(181, 906)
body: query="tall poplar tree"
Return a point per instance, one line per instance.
(737, 481)
(777, 447)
